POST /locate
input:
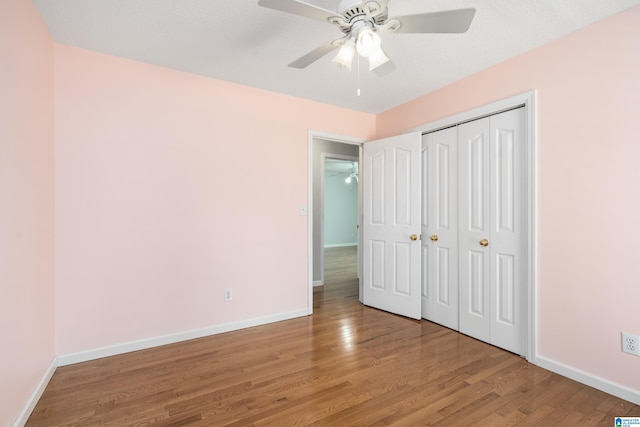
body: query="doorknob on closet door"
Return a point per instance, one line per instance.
(413, 237)
(434, 238)
(484, 242)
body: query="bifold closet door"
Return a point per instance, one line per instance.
(391, 224)
(440, 227)
(492, 227)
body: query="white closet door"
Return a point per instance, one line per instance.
(475, 227)
(391, 224)
(492, 229)
(508, 226)
(440, 227)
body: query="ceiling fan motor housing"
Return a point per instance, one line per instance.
(352, 9)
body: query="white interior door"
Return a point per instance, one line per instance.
(475, 221)
(508, 230)
(492, 229)
(440, 227)
(391, 224)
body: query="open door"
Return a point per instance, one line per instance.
(391, 224)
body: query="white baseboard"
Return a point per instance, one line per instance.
(113, 350)
(341, 245)
(607, 386)
(602, 384)
(35, 396)
(143, 344)
(318, 282)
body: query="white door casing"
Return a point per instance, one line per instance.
(391, 216)
(440, 227)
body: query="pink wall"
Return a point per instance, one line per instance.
(588, 277)
(26, 205)
(171, 187)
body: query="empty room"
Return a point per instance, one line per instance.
(483, 145)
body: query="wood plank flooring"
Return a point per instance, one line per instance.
(347, 365)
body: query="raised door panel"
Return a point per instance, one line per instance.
(377, 200)
(401, 188)
(402, 268)
(378, 261)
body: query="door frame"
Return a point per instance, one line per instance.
(312, 136)
(528, 101)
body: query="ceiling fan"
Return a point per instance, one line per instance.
(360, 20)
(342, 168)
(352, 174)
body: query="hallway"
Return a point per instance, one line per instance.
(340, 278)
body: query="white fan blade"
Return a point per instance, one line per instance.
(314, 55)
(449, 21)
(299, 8)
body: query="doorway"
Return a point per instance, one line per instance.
(323, 146)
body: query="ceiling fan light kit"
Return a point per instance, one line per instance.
(360, 21)
(345, 55)
(368, 45)
(353, 175)
(368, 42)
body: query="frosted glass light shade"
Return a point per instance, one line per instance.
(344, 58)
(368, 42)
(377, 58)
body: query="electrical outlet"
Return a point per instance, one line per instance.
(228, 295)
(630, 343)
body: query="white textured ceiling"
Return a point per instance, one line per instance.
(241, 42)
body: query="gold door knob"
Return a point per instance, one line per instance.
(413, 237)
(434, 238)
(484, 242)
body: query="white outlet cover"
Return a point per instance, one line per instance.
(630, 343)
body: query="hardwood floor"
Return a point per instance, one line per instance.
(347, 365)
